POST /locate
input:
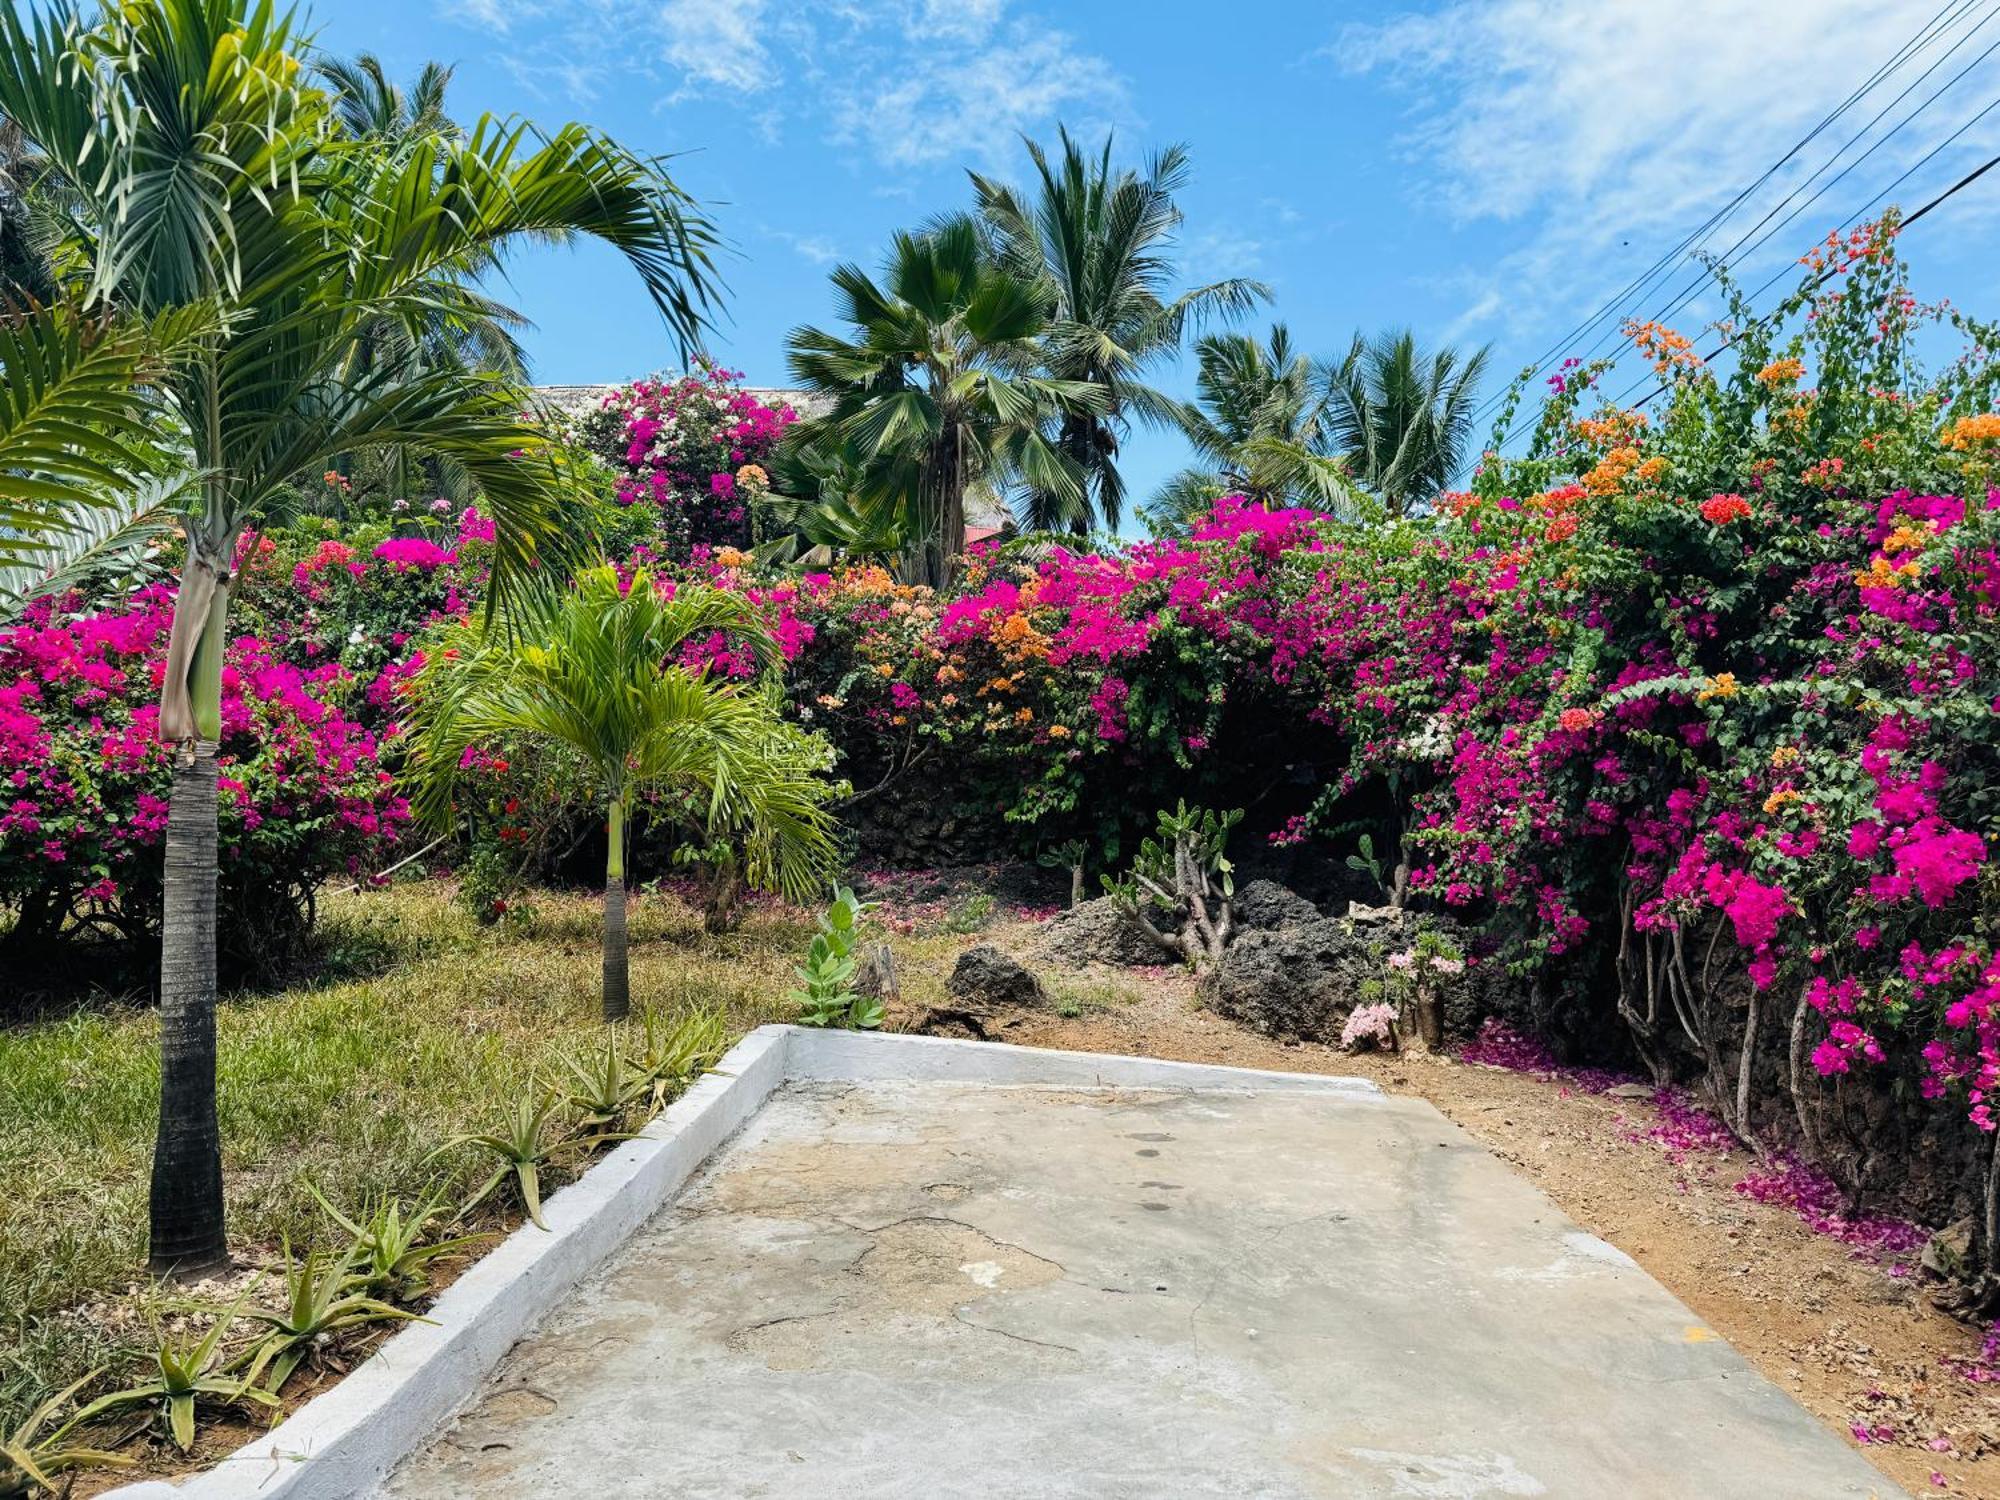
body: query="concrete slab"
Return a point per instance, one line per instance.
(926, 1289)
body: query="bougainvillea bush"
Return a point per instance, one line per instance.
(690, 455)
(83, 797)
(1689, 710)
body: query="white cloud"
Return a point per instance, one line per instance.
(1612, 128)
(914, 82)
(717, 42)
(938, 102)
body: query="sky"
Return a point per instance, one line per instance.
(1486, 172)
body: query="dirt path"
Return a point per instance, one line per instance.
(1856, 1346)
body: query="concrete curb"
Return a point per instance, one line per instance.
(880, 1057)
(342, 1443)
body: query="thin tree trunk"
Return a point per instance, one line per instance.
(1992, 1225)
(188, 1230)
(1743, 1068)
(617, 970)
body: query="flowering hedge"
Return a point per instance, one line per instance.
(1692, 710)
(83, 803)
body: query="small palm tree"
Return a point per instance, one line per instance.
(1402, 417)
(1096, 242)
(209, 174)
(1260, 430)
(931, 395)
(594, 668)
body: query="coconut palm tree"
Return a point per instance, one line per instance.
(933, 391)
(210, 174)
(1402, 417)
(1096, 243)
(1259, 427)
(594, 668)
(370, 105)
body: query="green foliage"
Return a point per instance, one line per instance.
(1184, 854)
(674, 1054)
(527, 1138)
(322, 1298)
(602, 1086)
(188, 1373)
(391, 1256)
(826, 995)
(35, 1453)
(1365, 862)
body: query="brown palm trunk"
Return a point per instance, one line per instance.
(617, 968)
(188, 1234)
(187, 1212)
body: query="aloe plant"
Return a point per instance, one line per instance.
(390, 1253)
(604, 1090)
(321, 1299)
(674, 1054)
(34, 1453)
(524, 1142)
(188, 1373)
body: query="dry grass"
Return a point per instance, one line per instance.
(348, 1084)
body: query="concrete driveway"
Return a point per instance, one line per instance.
(947, 1289)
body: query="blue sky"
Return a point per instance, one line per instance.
(1484, 171)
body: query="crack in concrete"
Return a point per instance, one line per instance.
(958, 1316)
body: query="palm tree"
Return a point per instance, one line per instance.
(1095, 242)
(1402, 417)
(1260, 429)
(932, 392)
(369, 105)
(210, 175)
(593, 668)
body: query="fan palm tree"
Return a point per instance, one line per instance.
(1260, 429)
(593, 668)
(1402, 417)
(933, 390)
(1095, 242)
(210, 175)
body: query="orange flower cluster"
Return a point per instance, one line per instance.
(1721, 685)
(1666, 350)
(1782, 372)
(1613, 428)
(1018, 639)
(1720, 510)
(1576, 720)
(1883, 574)
(1970, 432)
(1611, 471)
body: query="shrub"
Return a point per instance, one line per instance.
(304, 794)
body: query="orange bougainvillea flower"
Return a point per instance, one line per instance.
(1778, 799)
(1722, 509)
(1971, 432)
(1576, 720)
(1611, 471)
(1782, 372)
(1721, 685)
(1668, 351)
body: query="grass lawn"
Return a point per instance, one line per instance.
(347, 1084)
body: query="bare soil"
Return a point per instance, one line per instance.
(1855, 1345)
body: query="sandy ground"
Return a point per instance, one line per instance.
(1851, 1343)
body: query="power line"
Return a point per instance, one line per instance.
(1688, 293)
(1939, 23)
(1824, 276)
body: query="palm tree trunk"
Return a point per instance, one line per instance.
(617, 969)
(188, 1234)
